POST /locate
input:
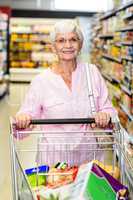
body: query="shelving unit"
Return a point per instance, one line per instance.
(112, 52)
(4, 65)
(30, 45)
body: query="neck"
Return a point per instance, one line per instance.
(64, 67)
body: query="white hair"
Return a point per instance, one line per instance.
(66, 26)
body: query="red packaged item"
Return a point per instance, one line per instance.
(60, 177)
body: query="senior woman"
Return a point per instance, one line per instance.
(61, 91)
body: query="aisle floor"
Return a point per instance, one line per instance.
(8, 107)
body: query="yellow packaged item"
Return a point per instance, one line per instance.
(114, 171)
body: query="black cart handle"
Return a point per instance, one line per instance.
(63, 121)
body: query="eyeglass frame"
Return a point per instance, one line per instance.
(63, 41)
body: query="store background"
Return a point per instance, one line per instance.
(100, 45)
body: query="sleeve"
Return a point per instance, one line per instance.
(31, 104)
(103, 101)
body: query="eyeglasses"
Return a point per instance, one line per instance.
(63, 41)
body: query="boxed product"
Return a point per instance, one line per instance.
(36, 176)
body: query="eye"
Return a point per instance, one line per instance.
(74, 40)
(60, 41)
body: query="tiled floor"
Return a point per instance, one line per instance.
(8, 107)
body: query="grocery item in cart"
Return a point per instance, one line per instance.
(59, 177)
(60, 193)
(36, 176)
(94, 183)
(112, 170)
(106, 185)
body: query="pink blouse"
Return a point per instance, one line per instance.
(49, 97)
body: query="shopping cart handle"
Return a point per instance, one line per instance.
(63, 121)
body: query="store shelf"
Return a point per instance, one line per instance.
(128, 17)
(111, 79)
(111, 58)
(24, 74)
(107, 77)
(29, 33)
(126, 90)
(128, 28)
(108, 15)
(129, 58)
(125, 6)
(117, 42)
(128, 77)
(30, 45)
(106, 36)
(126, 111)
(130, 43)
(4, 50)
(115, 11)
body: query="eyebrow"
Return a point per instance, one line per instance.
(75, 37)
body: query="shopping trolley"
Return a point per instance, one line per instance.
(111, 148)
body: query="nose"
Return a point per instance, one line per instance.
(67, 43)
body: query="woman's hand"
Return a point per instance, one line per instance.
(101, 119)
(23, 121)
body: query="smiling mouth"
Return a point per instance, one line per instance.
(68, 52)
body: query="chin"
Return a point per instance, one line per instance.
(69, 58)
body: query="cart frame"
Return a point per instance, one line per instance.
(118, 152)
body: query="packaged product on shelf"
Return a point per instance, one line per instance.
(126, 101)
(30, 41)
(123, 116)
(116, 3)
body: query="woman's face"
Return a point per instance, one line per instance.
(67, 46)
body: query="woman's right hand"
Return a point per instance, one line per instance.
(23, 121)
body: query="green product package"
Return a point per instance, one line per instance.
(36, 179)
(98, 188)
(37, 176)
(94, 183)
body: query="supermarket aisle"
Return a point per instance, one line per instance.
(8, 107)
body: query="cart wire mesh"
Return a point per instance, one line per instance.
(52, 147)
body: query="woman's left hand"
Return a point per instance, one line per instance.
(101, 119)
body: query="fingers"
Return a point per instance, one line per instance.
(102, 119)
(23, 121)
(93, 125)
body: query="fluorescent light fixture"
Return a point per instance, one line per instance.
(83, 5)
